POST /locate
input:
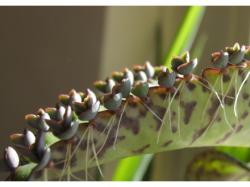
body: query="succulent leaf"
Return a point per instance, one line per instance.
(157, 119)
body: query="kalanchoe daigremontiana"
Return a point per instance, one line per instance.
(74, 108)
(113, 100)
(182, 65)
(105, 86)
(56, 113)
(187, 67)
(128, 74)
(140, 71)
(74, 97)
(220, 59)
(11, 157)
(28, 137)
(42, 151)
(125, 87)
(166, 78)
(178, 60)
(124, 81)
(64, 127)
(38, 121)
(88, 108)
(149, 70)
(69, 99)
(141, 89)
(140, 75)
(236, 53)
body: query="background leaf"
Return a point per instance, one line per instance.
(214, 165)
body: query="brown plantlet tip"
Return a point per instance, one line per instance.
(40, 111)
(74, 96)
(63, 96)
(30, 117)
(138, 68)
(220, 59)
(116, 75)
(72, 92)
(99, 83)
(216, 55)
(15, 136)
(185, 56)
(51, 111)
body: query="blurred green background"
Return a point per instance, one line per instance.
(49, 50)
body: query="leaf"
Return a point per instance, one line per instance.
(240, 153)
(195, 121)
(183, 40)
(50, 139)
(214, 165)
(132, 168)
(23, 172)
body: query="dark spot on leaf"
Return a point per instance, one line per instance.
(163, 95)
(218, 118)
(131, 124)
(225, 137)
(242, 74)
(238, 128)
(174, 128)
(229, 99)
(215, 104)
(141, 150)
(147, 101)
(245, 96)
(100, 127)
(188, 108)
(226, 78)
(244, 115)
(167, 143)
(159, 111)
(190, 86)
(143, 112)
(198, 133)
(204, 85)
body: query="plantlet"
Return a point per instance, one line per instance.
(144, 110)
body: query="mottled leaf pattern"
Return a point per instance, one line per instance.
(197, 114)
(192, 111)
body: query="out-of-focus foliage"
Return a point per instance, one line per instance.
(215, 165)
(240, 153)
